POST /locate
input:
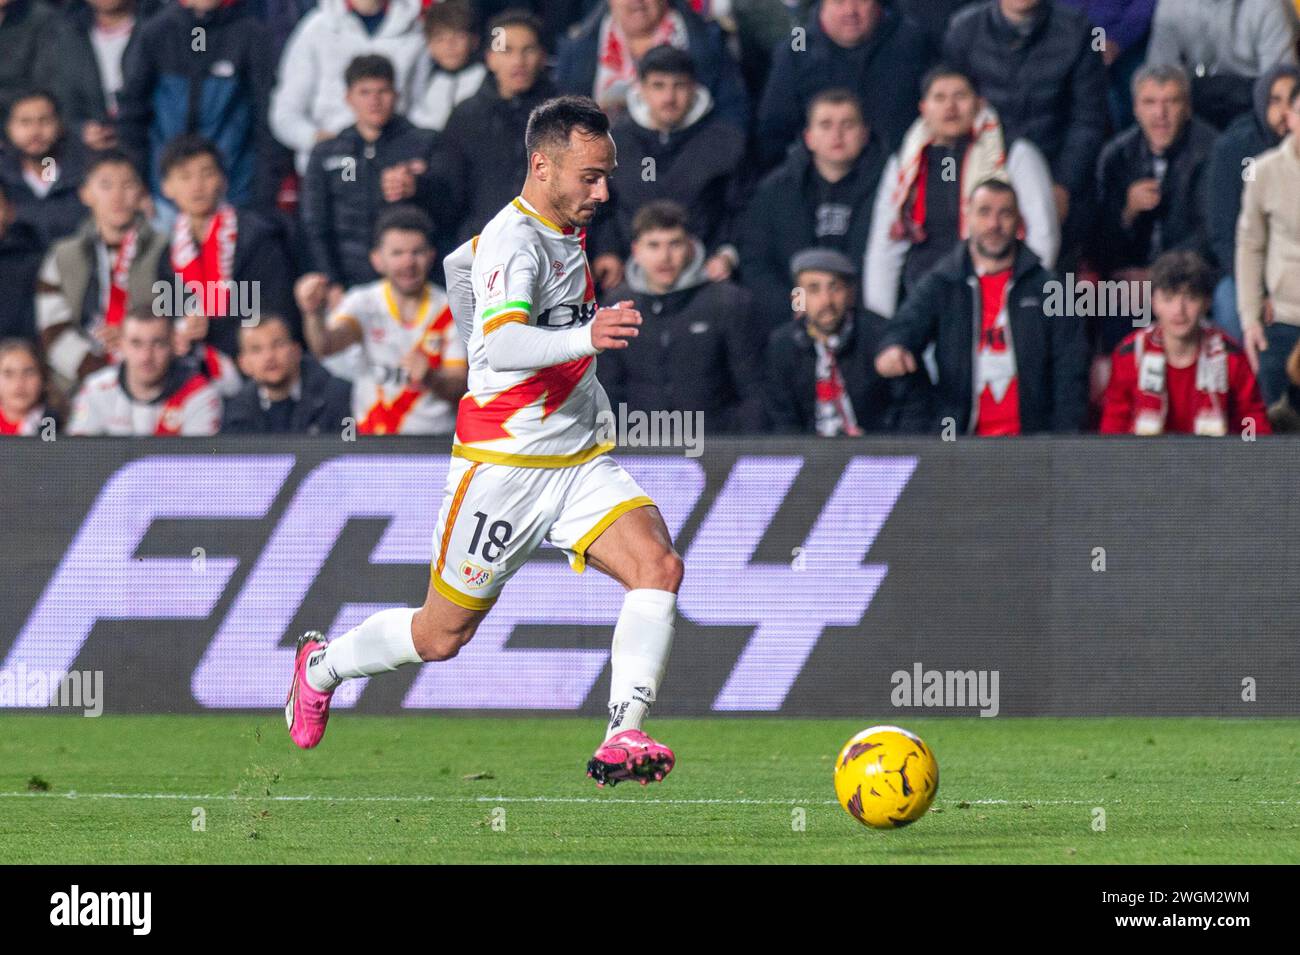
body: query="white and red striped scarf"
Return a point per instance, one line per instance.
(1152, 405)
(119, 276)
(834, 410)
(615, 67)
(208, 268)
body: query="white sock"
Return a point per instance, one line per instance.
(380, 643)
(642, 638)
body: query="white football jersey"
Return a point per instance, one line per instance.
(382, 400)
(524, 268)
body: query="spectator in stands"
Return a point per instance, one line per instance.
(27, 29)
(487, 130)
(1224, 45)
(220, 89)
(379, 161)
(223, 264)
(1026, 372)
(41, 166)
(1249, 135)
(90, 49)
(919, 209)
(92, 279)
(415, 361)
(820, 195)
(1151, 184)
(599, 57)
(287, 392)
(672, 144)
(864, 46)
(151, 392)
(1181, 375)
(25, 405)
(449, 71)
(1268, 247)
(698, 348)
(1125, 28)
(1034, 62)
(821, 377)
(309, 104)
(20, 260)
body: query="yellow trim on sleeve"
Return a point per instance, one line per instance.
(579, 560)
(460, 599)
(530, 460)
(505, 318)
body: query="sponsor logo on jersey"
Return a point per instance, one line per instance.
(558, 266)
(564, 316)
(473, 576)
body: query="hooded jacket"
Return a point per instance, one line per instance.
(309, 89)
(1051, 352)
(699, 349)
(894, 58)
(699, 164)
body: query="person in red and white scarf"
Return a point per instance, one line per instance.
(24, 385)
(1182, 375)
(151, 392)
(90, 280)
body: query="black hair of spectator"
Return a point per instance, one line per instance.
(403, 218)
(517, 17)
(666, 59)
(188, 146)
(369, 66)
(1000, 186)
(454, 16)
(552, 123)
(51, 397)
(108, 157)
(35, 92)
(265, 318)
(835, 96)
(1182, 271)
(659, 214)
(942, 71)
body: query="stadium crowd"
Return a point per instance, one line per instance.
(839, 217)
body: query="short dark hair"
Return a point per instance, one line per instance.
(369, 66)
(552, 123)
(34, 92)
(518, 17)
(108, 157)
(943, 71)
(454, 15)
(1000, 186)
(265, 318)
(185, 147)
(835, 96)
(659, 214)
(403, 218)
(666, 59)
(1182, 271)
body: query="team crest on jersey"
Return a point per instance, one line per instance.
(494, 286)
(473, 576)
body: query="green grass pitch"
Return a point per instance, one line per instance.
(427, 788)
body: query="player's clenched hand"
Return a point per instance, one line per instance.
(612, 327)
(895, 361)
(311, 292)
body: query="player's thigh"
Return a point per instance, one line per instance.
(491, 520)
(609, 522)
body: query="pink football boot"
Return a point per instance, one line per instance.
(630, 754)
(307, 710)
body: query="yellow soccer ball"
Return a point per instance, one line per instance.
(886, 777)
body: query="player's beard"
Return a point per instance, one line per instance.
(1001, 251)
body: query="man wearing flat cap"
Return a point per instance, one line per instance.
(820, 373)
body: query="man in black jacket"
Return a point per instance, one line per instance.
(38, 149)
(865, 46)
(1035, 63)
(672, 144)
(287, 392)
(1005, 366)
(821, 195)
(379, 161)
(487, 130)
(821, 377)
(698, 349)
(20, 260)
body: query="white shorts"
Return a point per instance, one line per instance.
(493, 517)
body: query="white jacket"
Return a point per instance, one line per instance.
(1030, 176)
(433, 93)
(309, 90)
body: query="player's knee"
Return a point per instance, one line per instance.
(663, 572)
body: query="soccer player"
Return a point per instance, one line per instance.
(414, 364)
(527, 464)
